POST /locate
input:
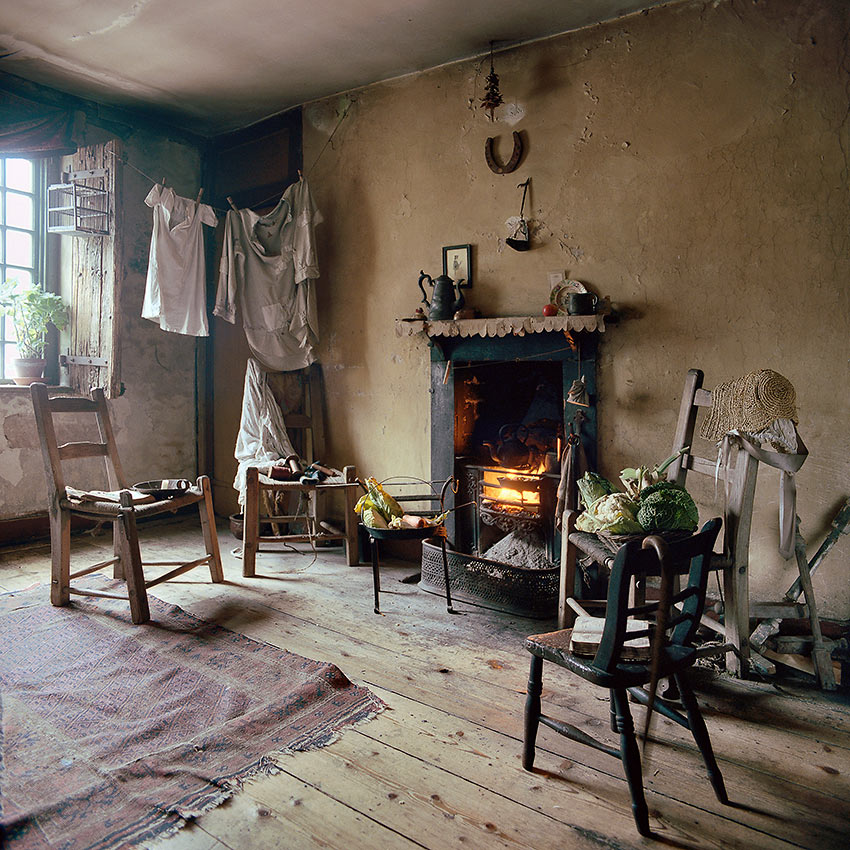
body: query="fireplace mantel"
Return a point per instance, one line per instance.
(500, 326)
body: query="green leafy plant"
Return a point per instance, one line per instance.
(32, 311)
(636, 479)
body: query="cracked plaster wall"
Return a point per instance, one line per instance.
(690, 163)
(154, 419)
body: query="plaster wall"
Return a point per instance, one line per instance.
(154, 418)
(690, 163)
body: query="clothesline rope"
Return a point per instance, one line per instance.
(324, 147)
(153, 180)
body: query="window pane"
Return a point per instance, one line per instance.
(22, 276)
(19, 174)
(20, 238)
(19, 210)
(19, 248)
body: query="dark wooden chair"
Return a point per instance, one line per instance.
(117, 504)
(739, 477)
(615, 666)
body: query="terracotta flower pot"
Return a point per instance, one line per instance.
(28, 370)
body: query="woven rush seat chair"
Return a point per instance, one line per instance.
(284, 511)
(624, 668)
(119, 505)
(260, 487)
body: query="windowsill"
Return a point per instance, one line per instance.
(17, 389)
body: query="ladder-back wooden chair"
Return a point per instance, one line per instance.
(738, 477)
(300, 501)
(117, 504)
(623, 668)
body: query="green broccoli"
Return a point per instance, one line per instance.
(667, 509)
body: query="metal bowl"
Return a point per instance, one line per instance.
(164, 488)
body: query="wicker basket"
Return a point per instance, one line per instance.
(522, 591)
(613, 542)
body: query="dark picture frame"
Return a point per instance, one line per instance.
(457, 264)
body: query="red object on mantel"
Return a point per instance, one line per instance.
(550, 310)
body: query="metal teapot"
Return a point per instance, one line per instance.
(443, 304)
(511, 451)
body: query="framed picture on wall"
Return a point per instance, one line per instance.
(457, 264)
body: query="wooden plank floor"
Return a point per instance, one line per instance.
(441, 768)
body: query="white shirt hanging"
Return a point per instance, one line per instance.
(175, 290)
(268, 264)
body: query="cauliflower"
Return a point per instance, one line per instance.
(614, 514)
(667, 507)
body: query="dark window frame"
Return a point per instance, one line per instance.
(39, 235)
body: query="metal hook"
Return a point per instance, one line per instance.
(524, 187)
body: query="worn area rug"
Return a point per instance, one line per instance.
(113, 734)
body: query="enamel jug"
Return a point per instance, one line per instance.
(443, 304)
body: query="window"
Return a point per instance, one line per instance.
(22, 237)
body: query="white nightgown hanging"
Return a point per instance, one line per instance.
(262, 438)
(175, 290)
(268, 264)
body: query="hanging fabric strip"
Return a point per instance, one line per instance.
(788, 464)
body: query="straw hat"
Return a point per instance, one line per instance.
(750, 404)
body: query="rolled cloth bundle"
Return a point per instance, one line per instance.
(750, 404)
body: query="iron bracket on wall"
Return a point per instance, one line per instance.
(80, 360)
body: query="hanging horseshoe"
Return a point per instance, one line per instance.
(511, 164)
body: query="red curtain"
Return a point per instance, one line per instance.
(30, 129)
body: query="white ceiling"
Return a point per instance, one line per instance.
(211, 66)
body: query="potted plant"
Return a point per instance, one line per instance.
(32, 311)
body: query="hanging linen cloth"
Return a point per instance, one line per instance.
(268, 265)
(262, 439)
(175, 290)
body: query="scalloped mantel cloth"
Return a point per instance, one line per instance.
(501, 326)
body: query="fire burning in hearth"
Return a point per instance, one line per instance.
(511, 490)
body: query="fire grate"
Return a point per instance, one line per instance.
(522, 591)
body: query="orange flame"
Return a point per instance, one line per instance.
(513, 496)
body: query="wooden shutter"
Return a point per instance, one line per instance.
(97, 274)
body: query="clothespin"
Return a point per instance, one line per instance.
(163, 183)
(300, 175)
(200, 195)
(232, 205)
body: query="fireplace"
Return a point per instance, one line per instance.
(500, 413)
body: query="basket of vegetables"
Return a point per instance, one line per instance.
(384, 518)
(645, 506)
